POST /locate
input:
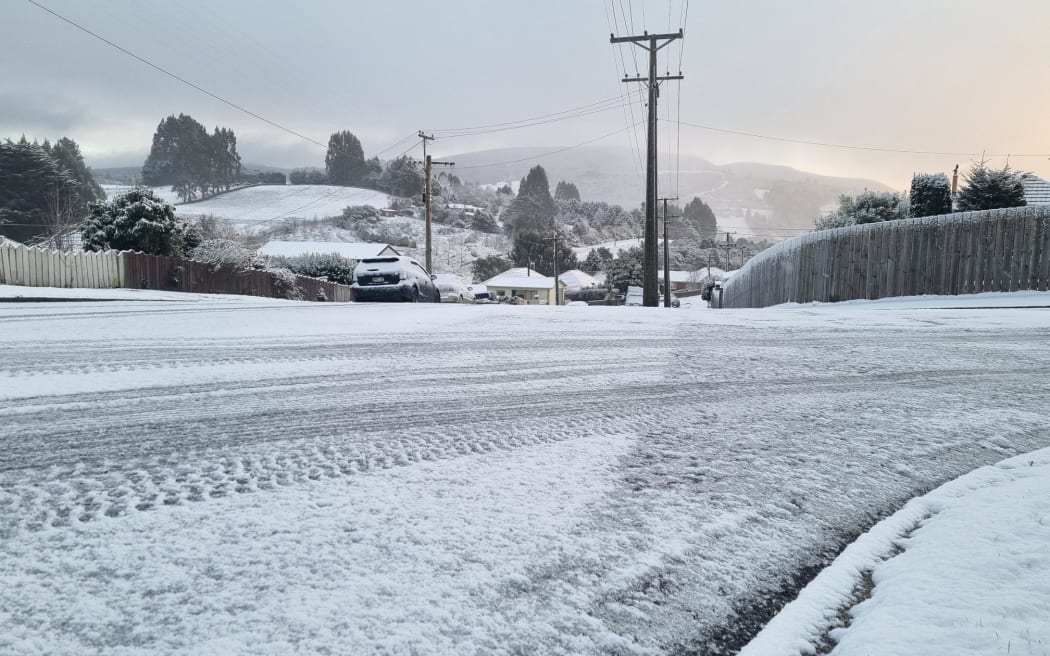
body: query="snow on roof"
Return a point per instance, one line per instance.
(518, 279)
(578, 279)
(1036, 190)
(353, 250)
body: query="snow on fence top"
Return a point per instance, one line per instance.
(961, 253)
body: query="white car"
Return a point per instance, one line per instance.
(453, 289)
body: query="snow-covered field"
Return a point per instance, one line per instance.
(267, 204)
(264, 204)
(211, 477)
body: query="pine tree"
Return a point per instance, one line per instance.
(35, 192)
(990, 189)
(931, 194)
(402, 177)
(701, 217)
(67, 155)
(345, 160)
(566, 191)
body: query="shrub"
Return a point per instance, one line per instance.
(332, 266)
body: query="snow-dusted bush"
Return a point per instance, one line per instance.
(135, 221)
(223, 253)
(332, 266)
(931, 194)
(285, 283)
(868, 207)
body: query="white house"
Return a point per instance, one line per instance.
(352, 250)
(535, 288)
(576, 280)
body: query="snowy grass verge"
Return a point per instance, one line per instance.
(18, 292)
(962, 301)
(974, 575)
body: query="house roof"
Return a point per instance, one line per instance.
(353, 250)
(519, 279)
(1036, 190)
(577, 278)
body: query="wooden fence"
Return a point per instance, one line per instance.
(34, 267)
(962, 253)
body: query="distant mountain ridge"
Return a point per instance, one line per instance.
(749, 196)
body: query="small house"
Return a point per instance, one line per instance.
(534, 288)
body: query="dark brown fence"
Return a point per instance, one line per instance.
(963, 253)
(176, 274)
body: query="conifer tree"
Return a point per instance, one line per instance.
(345, 161)
(990, 189)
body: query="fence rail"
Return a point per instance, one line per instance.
(962, 253)
(35, 267)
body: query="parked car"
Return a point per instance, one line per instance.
(634, 298)
(393, 278)
(484, 298)
(453, 289)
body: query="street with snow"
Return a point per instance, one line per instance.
(228, 476)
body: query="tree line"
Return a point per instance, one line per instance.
(984, 188)
(45, 189)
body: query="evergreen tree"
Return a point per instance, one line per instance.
(701, 218)
(193, 162)
(136, 221)
(566, 191)
(533, 224)
(625, 270)
(484, 268)
(345, 160)
(403, 178)
(66, 154)
(931, 194)
(597, 259)
(990, 189)
(35, 192)
(226, 162)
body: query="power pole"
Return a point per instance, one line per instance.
(428, 196)
(667, 256)
(652, 43)
(727, 247)
(557, 287)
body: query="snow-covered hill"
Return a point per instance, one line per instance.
(270, 203)
(455, 249)
(265, 204)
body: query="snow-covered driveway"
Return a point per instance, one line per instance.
(273, 478)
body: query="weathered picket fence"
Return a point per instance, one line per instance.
(962, 253)
(36, 267)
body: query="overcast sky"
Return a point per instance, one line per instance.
(936, 75)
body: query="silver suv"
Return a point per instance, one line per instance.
(394, 278)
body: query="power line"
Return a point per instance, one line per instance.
(596, 103)
(529, 125)
(176, 77)
(553, 152)
(849, 146)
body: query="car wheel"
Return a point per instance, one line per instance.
(415, 295)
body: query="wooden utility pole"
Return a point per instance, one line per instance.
(667, 256)
(557, 287)
(428, 196)
(652, 43)
(728, 246)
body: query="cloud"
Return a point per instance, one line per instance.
(40, 115)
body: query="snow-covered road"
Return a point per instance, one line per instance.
(270, 478)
